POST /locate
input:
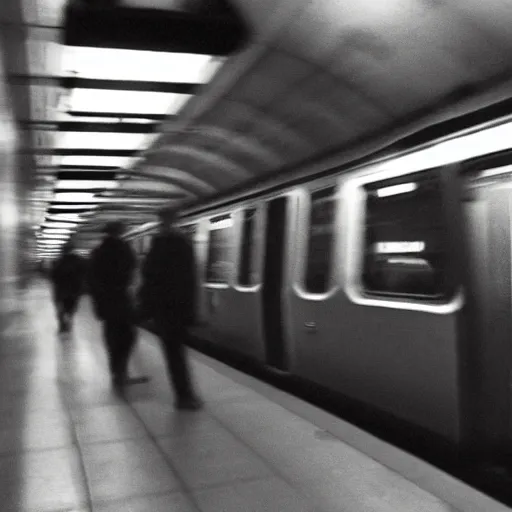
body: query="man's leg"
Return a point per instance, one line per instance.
(126, 341)
(71, 307)
(173, 338)
(59, 306)
(67, 308)
(110, 329)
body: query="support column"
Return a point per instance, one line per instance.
(10, 203)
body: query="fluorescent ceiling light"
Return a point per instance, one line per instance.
(97, 161)
(70, 206)
(50, 225)
(86, 184)
(139, 201)
(53, 236)
(75, 197)
(57, 231)
(65, 217)
(134, 102)
(123, 64)
(403, 188)
(98, 140)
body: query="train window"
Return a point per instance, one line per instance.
(219, 265)
(405, 240)
(247, 274)
(321, 225)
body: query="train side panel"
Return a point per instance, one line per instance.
(397, 357)
(403, 362)
(232, 312)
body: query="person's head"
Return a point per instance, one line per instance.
(167, 219)
(114, 229)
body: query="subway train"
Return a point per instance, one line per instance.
(388, 281)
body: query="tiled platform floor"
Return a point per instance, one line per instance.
(68, 443)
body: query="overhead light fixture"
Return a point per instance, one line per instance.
(94, 161)
(49, 225)
(76, 197)
(99, 140)
(402, 188)
(123, 64)
(57, 231)
(70, 206)
(139, 201)
(65, 217)
(86, 184)
(104, 101)
(54, 236)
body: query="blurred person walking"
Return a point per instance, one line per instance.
(111, 273)
(67, 276)
(167, 296)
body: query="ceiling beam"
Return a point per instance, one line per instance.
(84, 152)
(73, 82)
(121, 115)
(80, 168)
(52, 209)
(80, 126)
(86, 175)
(213, 32)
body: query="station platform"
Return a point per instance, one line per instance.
(68, 442)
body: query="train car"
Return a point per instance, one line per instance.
(388, 282)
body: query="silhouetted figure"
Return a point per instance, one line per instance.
(111, 272)
(167, 296)
(67, 276)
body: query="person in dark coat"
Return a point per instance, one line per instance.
(112, 268)
(67, 276)
(167, 296)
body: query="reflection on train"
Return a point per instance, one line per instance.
(353, 281)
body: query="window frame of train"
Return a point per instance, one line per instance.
(320, 195)
(248, 264)
(227, 273)
(425, 256)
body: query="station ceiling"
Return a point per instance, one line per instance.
(118, 133)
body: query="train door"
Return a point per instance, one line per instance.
(274, 282)
(314, 310)
(487, 207)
